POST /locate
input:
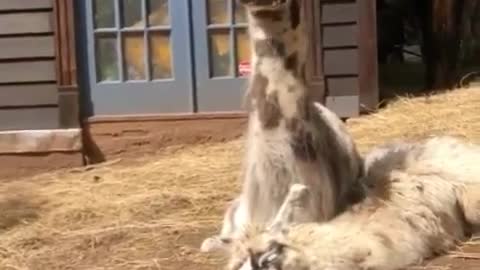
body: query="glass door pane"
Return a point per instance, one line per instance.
(106, 58)
(220, 53)
(218, 12)
(132, 16)
(242, 46)
(161, 56)
(134, 55)
(158, 13)
(104, 14)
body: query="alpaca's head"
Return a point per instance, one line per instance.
(266, 4)
(275, 10)
(260, 249)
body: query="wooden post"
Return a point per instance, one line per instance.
(66, 66)
(367, 43)
(314, 68)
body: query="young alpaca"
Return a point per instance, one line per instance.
(290, 137)
(424, 200)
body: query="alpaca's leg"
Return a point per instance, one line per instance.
(234, 218)
(294, 205)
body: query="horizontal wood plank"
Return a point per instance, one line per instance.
(340, 35)
(13, 5)
(26, 47)
(341, 62)
(339, 12)
(26, 23)
(28, 95)
(345, 106)
(40, 141)
(348, 86)
(29, 71)
(32, 118)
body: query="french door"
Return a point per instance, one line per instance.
(163, 56)
(220, 43)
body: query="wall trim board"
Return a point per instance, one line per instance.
(165, 117)
(40, 141)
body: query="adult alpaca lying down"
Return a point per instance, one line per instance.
(424, 199)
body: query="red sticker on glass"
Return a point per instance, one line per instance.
(244, 68)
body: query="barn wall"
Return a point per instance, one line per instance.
(38, 87)
(66, 64)
(343, 66)
(28, 92)
(339, 28)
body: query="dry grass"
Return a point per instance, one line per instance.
(455, 113)
(152, 213)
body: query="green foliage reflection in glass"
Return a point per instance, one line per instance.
(132, 18)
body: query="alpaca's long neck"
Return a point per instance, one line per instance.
(278, 47)
(278, 84)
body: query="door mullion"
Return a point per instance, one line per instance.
(146, 43)
(192, 50)
(118, 26)
(231, 15)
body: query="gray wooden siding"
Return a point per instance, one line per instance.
(29, 118)
(26, 23)
(340, 42)
(341, 62)
(27, 47)
(12, 5)
(340, 35)
(340, 12)
(346, 86)
(344, 106)
(28, 95)
(28, 71)
(28, 91)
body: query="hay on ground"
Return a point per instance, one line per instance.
(152, 213)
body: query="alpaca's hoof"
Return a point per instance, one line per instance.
(297, 191)
(211, 244)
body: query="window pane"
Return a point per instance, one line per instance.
(104, 13)
(161, 55)
(240, 13)
(219, 49)
(158, 12)
(106, 58)
(132, 13)
(134, 51)
(242, 45)
(218, 11)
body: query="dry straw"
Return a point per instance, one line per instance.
(153, 212)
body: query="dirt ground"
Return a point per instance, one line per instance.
(152, 212)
